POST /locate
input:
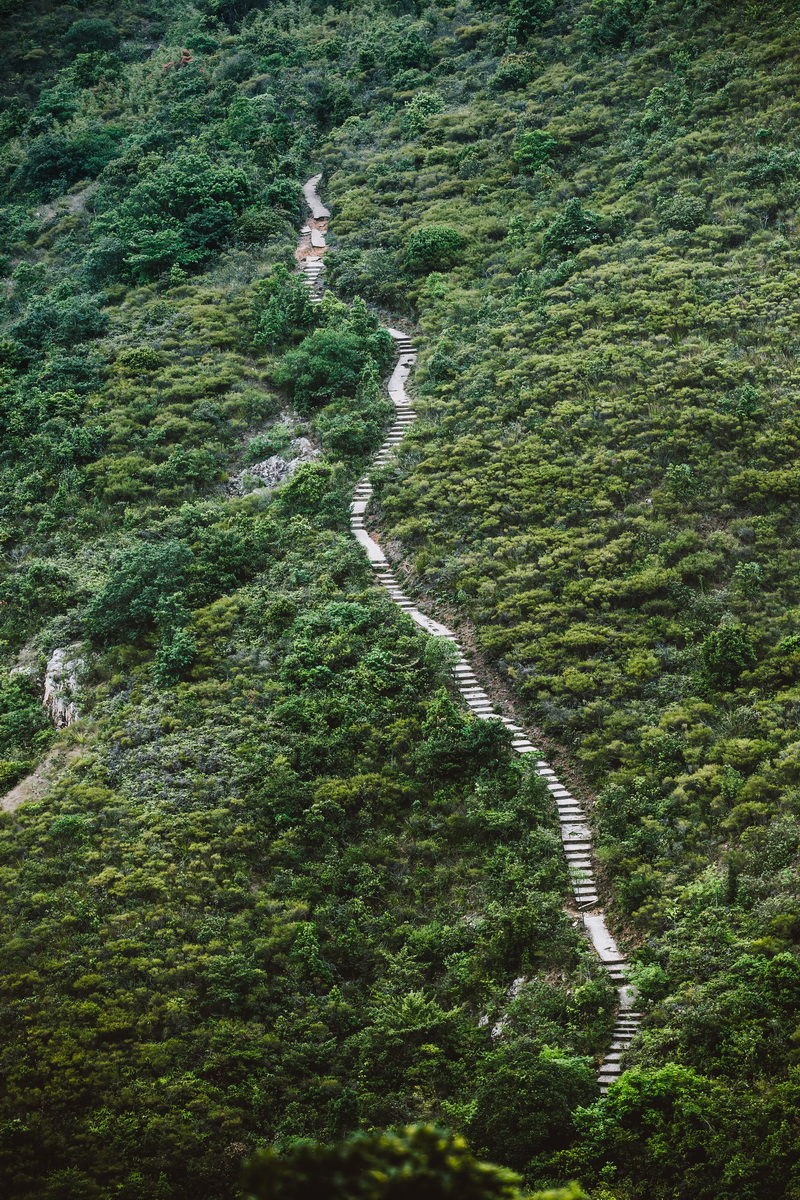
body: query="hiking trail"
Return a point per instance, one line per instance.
(576, 834)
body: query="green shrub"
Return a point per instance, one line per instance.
(24, 727)
(306, 488)
(55, 160)
(684, 212)
(178, 212)
(525, 1101)
(572, 231)
(534, 148)
(418, 1161)
(514, 71)
(609, 23)
(331, 362)
(92, 33)
(140, 583)
(408, 52)
(177, 652)
(417, 113)
(434, 248)
(351, 432)
(139, 359)
(283, 309)
(725, 654)
(525, 17)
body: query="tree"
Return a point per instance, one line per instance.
(140, 581)
(92, 33)
(573, 230)
(327, 364)
(455, 744)
(527, 16)
(284, 309)
(304, 491)
(525, 1102)
(24, 727)
(420, 1162)
(534, 149)
(726, 652)
(58, 158)
(434, 248)
(178, 213)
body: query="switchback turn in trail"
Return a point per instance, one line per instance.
(575, 830)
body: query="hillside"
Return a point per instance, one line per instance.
(264, 876)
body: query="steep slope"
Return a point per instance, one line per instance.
(282, 886)
(571, 817)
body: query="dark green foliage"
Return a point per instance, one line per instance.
(726, 653)
(326, 364)
(534, 149)
(283, 310)
(525, 1103)
(330, 362)
(514, 71)
(178, 213)
(306, 488)
(609, 23)
(435, 248)
(655, 1120)
(684, 212)
(573, 230)
(141, 583)
(61, 322)
(177, 651)
(24, 728)
(454, 743)
(56, 160)
(420, 1161)
(92, 33)
(526, 16)
(350, 430)
(408, 51)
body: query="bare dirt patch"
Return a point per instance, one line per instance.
(39, 782)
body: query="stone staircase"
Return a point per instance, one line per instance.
(313, 270)
(576, 834)
(625, 1029)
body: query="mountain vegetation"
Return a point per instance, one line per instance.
(283, 894)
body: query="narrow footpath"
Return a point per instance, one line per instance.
(575, 832)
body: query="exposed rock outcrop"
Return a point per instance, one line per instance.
(61, 685)
(274, 470)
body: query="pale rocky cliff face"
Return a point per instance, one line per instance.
(274, 470)
(61, 685)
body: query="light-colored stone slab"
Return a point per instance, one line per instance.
(603, 942)
(374, 552)
(318, 210)
(429, 625)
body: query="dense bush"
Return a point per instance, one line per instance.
(285, 888)
(435, 248)
(142, 584)
(525, 1103)
(421, 1161)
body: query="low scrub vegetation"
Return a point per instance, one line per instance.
(283, 889)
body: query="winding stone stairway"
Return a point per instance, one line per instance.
(575, 832)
